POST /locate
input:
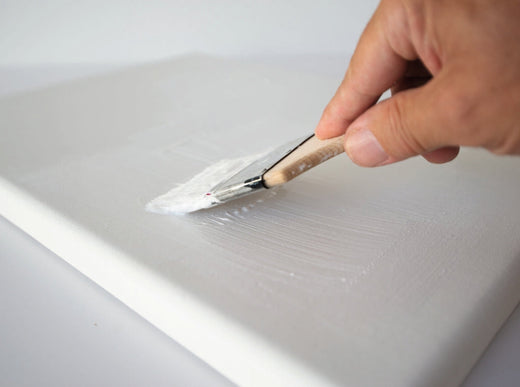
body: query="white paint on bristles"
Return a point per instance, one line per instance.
(195, 194)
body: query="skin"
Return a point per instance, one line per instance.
(454, 70)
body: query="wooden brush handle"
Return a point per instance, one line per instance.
(311, 153)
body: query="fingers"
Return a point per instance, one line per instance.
(472, 100)
(405, 125)
(416, 75)
(442, 155)
(374, 68)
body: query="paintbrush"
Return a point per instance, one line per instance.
(277, 167)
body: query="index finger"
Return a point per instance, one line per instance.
(375, 66)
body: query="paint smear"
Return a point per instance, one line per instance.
(192, 195)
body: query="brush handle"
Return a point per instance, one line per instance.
(309, 154)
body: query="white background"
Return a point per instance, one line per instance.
(57, 327)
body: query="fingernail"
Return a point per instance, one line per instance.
(364, 149)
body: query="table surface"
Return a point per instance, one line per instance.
(84, 335)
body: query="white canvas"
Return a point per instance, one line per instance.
(393, 276)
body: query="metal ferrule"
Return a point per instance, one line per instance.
(250, 179)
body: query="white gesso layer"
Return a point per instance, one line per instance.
(191, 196)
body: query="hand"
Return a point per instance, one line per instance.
(454, 70)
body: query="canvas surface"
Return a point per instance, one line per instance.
(393, 276)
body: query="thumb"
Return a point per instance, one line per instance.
(408, 124)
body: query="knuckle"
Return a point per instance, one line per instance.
(508, 142)
(457, 107)
(479, 119)
(459, 112)
(399, 128)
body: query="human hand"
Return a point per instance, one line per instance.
(454, 70)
